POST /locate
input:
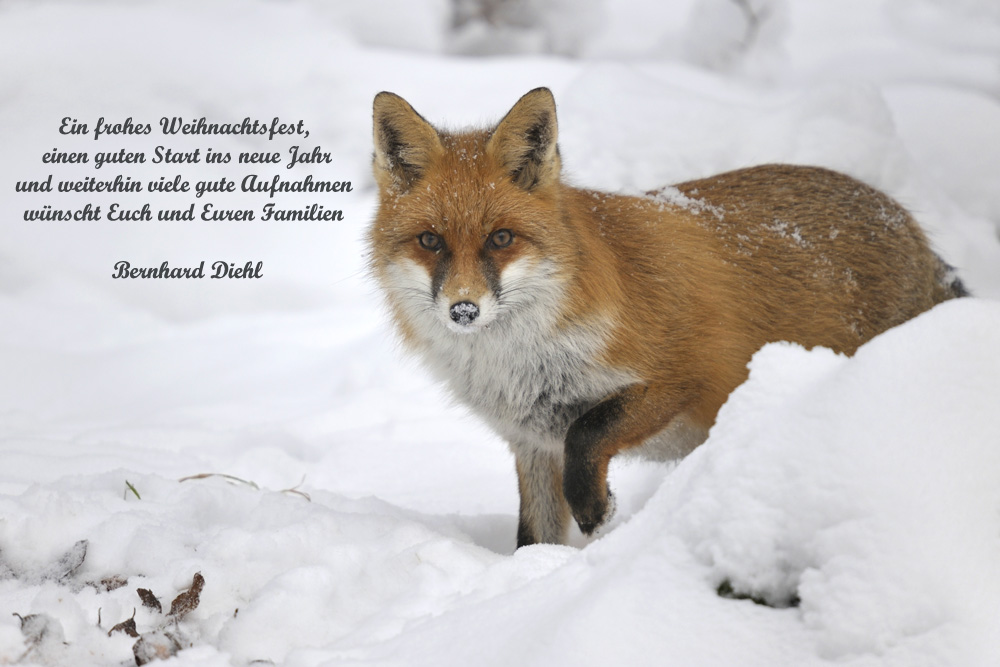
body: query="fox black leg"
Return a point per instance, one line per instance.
(619, 422)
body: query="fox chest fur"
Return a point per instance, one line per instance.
(580, 324)
(529, 381)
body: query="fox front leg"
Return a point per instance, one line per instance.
(544, 515)
(621, 421)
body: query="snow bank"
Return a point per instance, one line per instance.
(860, 497)
(865, 488)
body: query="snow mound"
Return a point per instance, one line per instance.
(842, 509)
(867, 489)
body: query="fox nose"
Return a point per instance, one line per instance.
(464, 312)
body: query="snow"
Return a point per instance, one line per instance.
(375, 520)
(671, 196)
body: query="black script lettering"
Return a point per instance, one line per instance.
(128, 127)
(124, 269)
(91, 184)
(251, 183)
(116, 213)
(214, 157)
(315, 156)
(55, 157)
(88, 212)
(277, 127)
(260, 158)
(71, 126)
(163, 185)
(170, 156)
(314, 212)
(176, 125)
(208, 212)
(34, 186)
(249, 270)
(176, 214)
(121, 157)
(221, 185)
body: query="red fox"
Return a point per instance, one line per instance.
(580, 324)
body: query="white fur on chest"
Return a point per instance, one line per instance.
(530, 384)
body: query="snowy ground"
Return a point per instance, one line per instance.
(859, 498)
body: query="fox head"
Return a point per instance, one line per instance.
(463, 237)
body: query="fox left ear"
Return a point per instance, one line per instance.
(405, 143)
(525, 140)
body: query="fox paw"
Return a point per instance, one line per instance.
(592, 511)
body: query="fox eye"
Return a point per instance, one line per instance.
(429, 241)
(501, 238)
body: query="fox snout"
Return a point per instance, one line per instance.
(464, 313)
(466, 292)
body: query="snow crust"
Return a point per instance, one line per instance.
(843, 510)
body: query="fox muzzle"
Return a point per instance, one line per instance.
(464, 312)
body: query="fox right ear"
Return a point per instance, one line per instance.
(405, 143)
(524, 141)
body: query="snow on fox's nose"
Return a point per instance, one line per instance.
(464, 312)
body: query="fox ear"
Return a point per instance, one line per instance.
(525, 140)
(405, 143)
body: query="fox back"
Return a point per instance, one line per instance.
(581, 324)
